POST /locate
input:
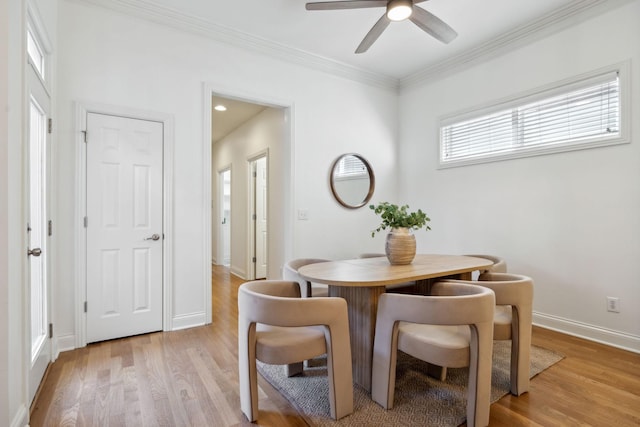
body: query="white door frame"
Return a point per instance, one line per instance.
(82, 109)
(288, 164)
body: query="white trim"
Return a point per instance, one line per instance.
(589, 332)
(554, 21)
(185, 321)
(82, 109)
(558, 19)
(197, 25)
(21, 418)
(65, 342)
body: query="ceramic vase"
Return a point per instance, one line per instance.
(400, 246)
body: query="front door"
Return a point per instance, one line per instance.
(124, 226)
(37, 232)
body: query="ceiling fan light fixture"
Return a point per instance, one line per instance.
(399, 10)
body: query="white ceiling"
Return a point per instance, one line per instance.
(401, 51)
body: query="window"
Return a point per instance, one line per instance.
(576, 115)
(36, 55)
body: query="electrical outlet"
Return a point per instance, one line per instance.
(613, 304)
(303, 214)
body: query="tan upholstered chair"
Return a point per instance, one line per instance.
(453, 326)
(499, 264)
(512, 320)
(307, 289)
(278, 327)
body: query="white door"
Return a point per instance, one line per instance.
(124, 226)
(37, 166)
(261, 217)
(225, 213)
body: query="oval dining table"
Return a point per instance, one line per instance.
(361, 282)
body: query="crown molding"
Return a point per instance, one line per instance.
(166, 16)
(557, 20)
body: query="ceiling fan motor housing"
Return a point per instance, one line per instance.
(399, 10)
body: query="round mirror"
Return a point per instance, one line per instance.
(352, 181)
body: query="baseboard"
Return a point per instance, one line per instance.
(610, 337)
(190, 320)
(238, 272)
(65, 343)
(22, 417)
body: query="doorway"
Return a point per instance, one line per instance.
(246, 137)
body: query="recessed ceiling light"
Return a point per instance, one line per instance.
(220, 107)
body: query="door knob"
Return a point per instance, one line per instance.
(153, 237)
(34, 252)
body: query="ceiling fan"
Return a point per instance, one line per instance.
(397, 10)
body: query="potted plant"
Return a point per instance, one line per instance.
(400, 245)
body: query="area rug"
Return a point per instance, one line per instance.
(419, 399)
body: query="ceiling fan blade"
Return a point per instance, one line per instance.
(433, 25)
(349, 4)
(373, 34)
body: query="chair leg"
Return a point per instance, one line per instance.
(293, 369)
(437, 372)
(520, 355)
(247, 370)
(479, 386)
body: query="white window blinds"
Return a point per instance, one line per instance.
(578, 113)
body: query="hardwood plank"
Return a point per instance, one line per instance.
(184, 377)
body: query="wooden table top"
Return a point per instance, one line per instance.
(378, 272)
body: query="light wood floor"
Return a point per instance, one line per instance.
(189, 378)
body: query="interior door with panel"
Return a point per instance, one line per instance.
(260, 212)
(124, 226)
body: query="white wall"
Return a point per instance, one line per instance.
(109, 58)
(571, 221)
(265, 132)
(12, 371)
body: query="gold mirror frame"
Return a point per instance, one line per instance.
(338, 193)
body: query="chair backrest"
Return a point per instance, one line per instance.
(510, 289)
(449, 304)
(278, 303)
(290, 272)
(499, 264)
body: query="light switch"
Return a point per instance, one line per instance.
(303, 214)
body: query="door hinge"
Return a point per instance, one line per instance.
(254, 217)
(85, 135)
(50, 228)
(86, 222)
(254, 259)
(255, 174)
(85, 306)
(50, 330)
(50, 125)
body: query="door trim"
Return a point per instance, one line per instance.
(82, 109)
